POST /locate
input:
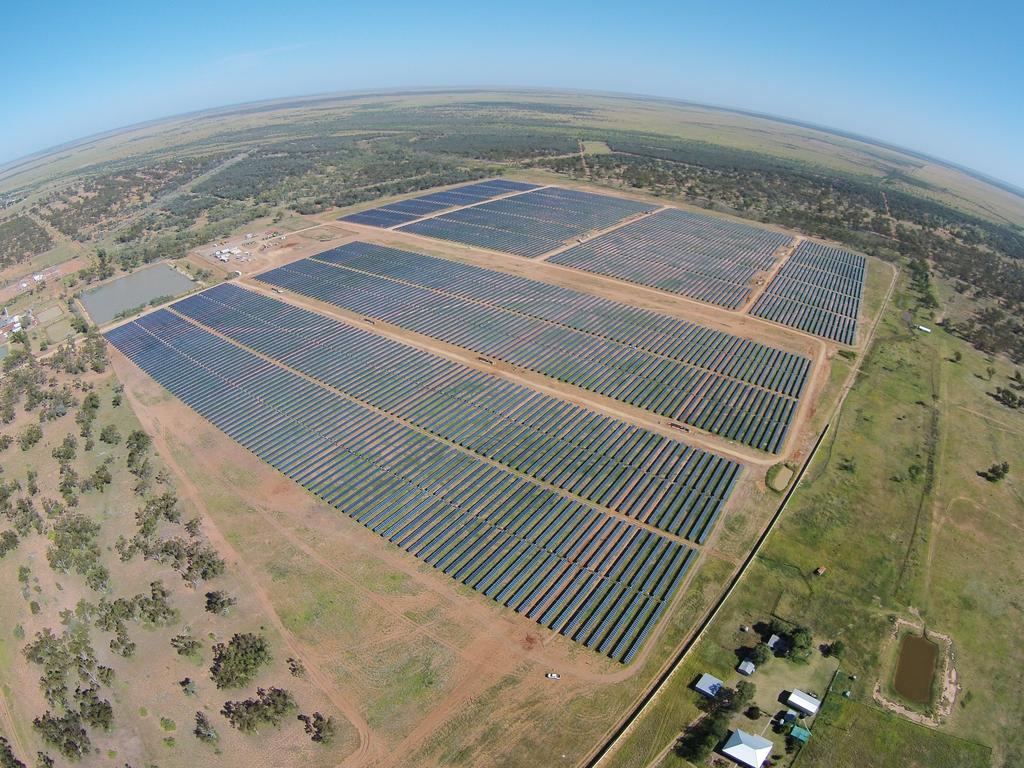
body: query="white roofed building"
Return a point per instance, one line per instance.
(803, 702)
(747, 749)
(709, 685)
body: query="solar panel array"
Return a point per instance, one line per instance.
(701, 257)
(633, 471)
(818, 290)
(403, 211)
(714, 381)
(595, 578)
(532, 223)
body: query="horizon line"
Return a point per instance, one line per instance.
(7, 166)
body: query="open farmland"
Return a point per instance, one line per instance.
(818, 290)
(697, 256)
(723, 384)
(531, 223)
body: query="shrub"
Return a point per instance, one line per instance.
(236, 663)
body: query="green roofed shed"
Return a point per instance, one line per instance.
(800, 734)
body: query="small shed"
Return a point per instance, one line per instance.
(789, 716)
(746, 668)
(775, 643)
(800, 733)
(709, 685)
(803, 702)
(747, 748)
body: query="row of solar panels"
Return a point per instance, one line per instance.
(700, 397)
(660, 481)
(818, 291)
(702, 257)
(403, 211)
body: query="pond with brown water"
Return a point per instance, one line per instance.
(915, 669)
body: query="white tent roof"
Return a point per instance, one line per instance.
(747, 749)
(804, 702)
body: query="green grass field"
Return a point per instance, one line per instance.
(891, 547)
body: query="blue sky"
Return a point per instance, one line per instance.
(942, 78)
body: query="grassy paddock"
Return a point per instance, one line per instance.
(891, 546)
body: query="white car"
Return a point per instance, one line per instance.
(553, 676)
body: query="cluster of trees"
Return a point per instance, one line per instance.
(499, 145)
(71, 680)
(7, 758)
(99, 201)
(269, 706)
(236, 663)
(319, 728)
(192, 557)
(996, 472)
(1009, 396)
(700, 739)
(74, 547)
(21, 238)
(87, 355)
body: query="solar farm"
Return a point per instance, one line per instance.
(741, 390)
(404, 211)
(591, 576)
(818, 290)
(531, 223)
(579, 482)
(696, 256)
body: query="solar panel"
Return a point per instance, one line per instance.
(402, 211)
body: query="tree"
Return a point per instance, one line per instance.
(760, 654)
(95, 711)
(185, 644)
(269, 706)
(219, 602)
(836, 648)
(745, 691)
(296, 667)
(319, 728)
(991, 372)
(801, 642)
(235, 664)
(110, 435)
(7, 758)
(996, 472)
(204, 729)
(8, 542)
(65, 733)
(31, 435)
